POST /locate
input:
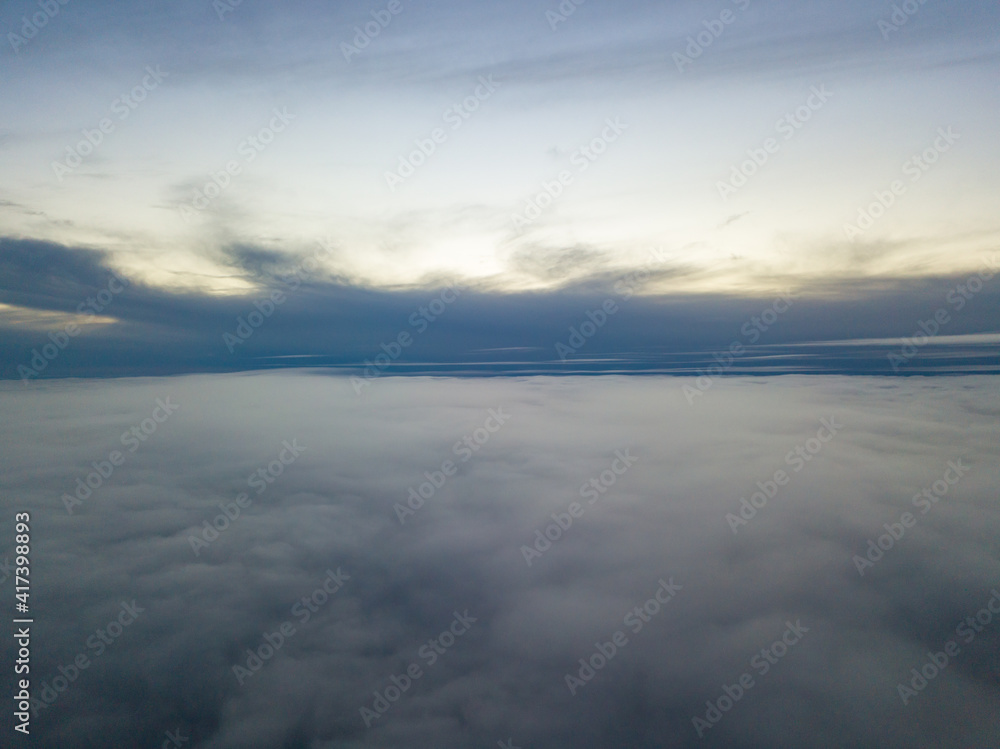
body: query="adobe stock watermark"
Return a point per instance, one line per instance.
(98, 642)
(925, 500)
(714, 28)
(752, 330)
(562, 12)
(259, 480)
(582, 158)
(223, 7)
(587, 329)
(132, 439)
(899, 17)
(626, 286)
(420, 320)
(594, 489)
(635, 619)
(455, 115)
(60, 339)
(915, 167)
(957, 297)
(175, 739)
(762, 662)
(303, 610)
(787, 127)
(430, 652)
(364, 35)
(35, 23)
(966, 630)
(796, 459)
(123, 106)
(464, 449)
(249, 148)
(266, 306)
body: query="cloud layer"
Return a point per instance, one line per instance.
(668, 478)
(299, 313)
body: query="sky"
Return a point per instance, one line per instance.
(728, 151)
(670, 508)
(533, 374)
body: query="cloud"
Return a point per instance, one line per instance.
(662, 518)
(340, 324)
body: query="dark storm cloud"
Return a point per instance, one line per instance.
(663, 517)
(341, 325)
(48, 276)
